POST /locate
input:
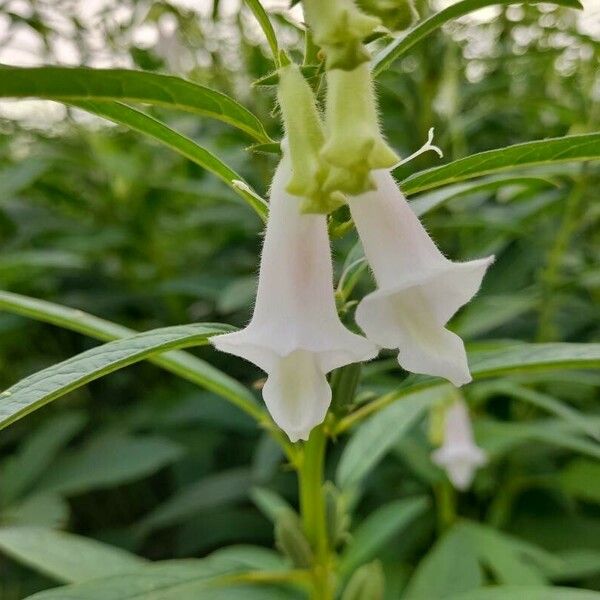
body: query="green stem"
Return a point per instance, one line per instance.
(446, 505)
(312, 507)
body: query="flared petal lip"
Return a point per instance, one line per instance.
(251, 347)
(425, 276)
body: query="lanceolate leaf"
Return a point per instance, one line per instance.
(378, 529)
(398, 48)
(38, 389)
(69, 84)
(125, 115)
(554, 150)
(182, 364)
(520, 358)
(64, 556)
(263, 19)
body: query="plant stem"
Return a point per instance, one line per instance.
(312, 507)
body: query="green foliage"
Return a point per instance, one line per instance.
(140, 484)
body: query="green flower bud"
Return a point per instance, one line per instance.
(339, 27)
(396, 15)
(354, 144)
(367, 583)
(305, 139)
(344, 382)
(291, 541)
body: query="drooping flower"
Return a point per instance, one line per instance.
(295, 334)
(419, 289)
(459, 456)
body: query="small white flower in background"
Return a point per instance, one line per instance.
(295, 334)
(419, 289)
(459, 456)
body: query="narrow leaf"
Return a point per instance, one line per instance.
(398, 48)
(182, 364)
(38, 389)
(378, 529)
(63, 556)
(379, 433)
(540, 152)
(69, 84)
(263, 20)
(139, 121)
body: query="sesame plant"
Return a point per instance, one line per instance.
(390, 459)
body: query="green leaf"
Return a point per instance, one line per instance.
(38, 389)
(263, 20)
(377, 530)
(72, 84)
(139, 121)
(450, 567)
(546, 402)
(539, 152)
(63, 556)
(171, 580)
(377, 436)
(398, 48)
(182, 364)
(216, 490)
(270, 504)
(510, 560)
(512, 592)
(46, 510)
(37, 452)
(108, 460)
(511, 359)
(533, 357)
(581, 478)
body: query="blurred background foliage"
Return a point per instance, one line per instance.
(96, 217)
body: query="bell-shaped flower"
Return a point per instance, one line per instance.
(459, 456)
(419, 289)
(295, 334)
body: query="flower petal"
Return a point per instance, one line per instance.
(297, 394)
(404, 320)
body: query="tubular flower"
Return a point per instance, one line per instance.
(459, 455)
(418, 288)
(295, 334)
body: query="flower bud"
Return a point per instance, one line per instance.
(291, 541)
(367, 583)
(354, 144)
(305, 139)
(396, 15)
(339, 28)
(337, 518)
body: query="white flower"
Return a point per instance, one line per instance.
(418, 288)
(295, 334)
(459, 455)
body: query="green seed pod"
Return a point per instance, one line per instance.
(291, 541)
(367, 583)
(336, 515)
(344, 382)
